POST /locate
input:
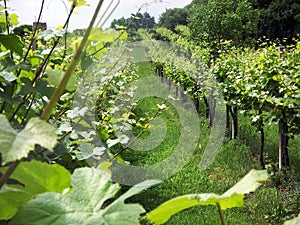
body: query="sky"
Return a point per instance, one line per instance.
(55, 11)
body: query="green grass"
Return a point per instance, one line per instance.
(234, 159)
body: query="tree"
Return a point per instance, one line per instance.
(173, 17)
(23, 30)
(146, 21)
(78, 32)
(213, 21)
(279, 19)
(134, 23)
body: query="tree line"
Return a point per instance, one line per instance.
(211, 21)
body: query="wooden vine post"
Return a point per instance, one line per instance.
(283, 133)
(38, 26)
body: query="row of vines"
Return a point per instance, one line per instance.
(61, 98)
(263, 84)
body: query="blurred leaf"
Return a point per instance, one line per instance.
(78, 3)
(108, 35)
(6, 76)
(48, 34)
(54, 77)
(249, 183)
(48, 178)
(15, 146)
(86, 61)
(14, 19)
(91, 188)
(232, 198)
(12, 42)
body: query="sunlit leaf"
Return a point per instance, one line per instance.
(249, 183)
(14, 19)
(78, 3)
(91, 188)
(15, 146)
(232, 198)
(7, 76)
(108, 35)
(35, 177)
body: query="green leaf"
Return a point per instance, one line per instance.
(7, 76)
(84, 204)
(55, 76)
(14, 19)
(12, 42)
(232, 198)
(108, 35)
(249, 183)
(37, 178)
(86, 61)
(78, 3)
(163, 213)
(15, 146)
(48, 34)
(104, 166)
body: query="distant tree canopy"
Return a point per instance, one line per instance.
(215, 20)
(79, 32)
(134, 23)
(212, 21)
(279, 18)
(22, 30)
(243, 20)
(173, 17)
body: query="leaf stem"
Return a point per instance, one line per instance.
(8, 172)
(76, 58)
(45, 62)
(47, 112)
(7, 25)
(221, 214)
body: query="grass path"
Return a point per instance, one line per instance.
(234, 160)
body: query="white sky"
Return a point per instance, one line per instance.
(55, 12)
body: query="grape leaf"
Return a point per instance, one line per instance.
(55, 76)
(12, 42)
(7, 76)
(78, 3)
(232, 198)
(48, 178)
(108, 35)
(249, 183)
(14, 146)
(84, 204)
(14, 19)
(49, 34)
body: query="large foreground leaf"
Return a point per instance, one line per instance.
(232, 198)
(36, 178)
(14, 146)
(249, 183)
(85, 204)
